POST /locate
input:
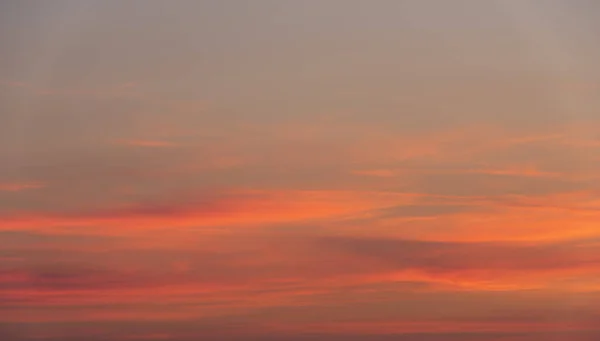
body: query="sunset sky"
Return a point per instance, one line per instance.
(291, 170)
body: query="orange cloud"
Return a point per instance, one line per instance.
(527, 171)
(295, 269)
(502, 224)
(553, 217)
(472, 262)
(462, 144)
(523, 171)
(241, 208)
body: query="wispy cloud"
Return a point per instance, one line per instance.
(524, 171)
(148, 143)
(238, 208)
(379, 173)
(20, 186)
(125, 89)
(292, 272)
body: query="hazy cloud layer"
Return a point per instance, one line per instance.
(345, 170)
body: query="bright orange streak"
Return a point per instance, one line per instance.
(259, 208)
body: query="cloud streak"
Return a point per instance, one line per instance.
(238, 208)
(20, 186)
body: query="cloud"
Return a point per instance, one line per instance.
(248, 208)
(15, 84)
(428, 210)
(479, 218)
(291, 263)
(332, 284)
(486, 184)
(123, 90)
(524, 171)
(430, 328)
(380, 173)
(147, 143)
(501, 262)
(59, 277)
(20, 186)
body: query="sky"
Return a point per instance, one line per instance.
(283, 170)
